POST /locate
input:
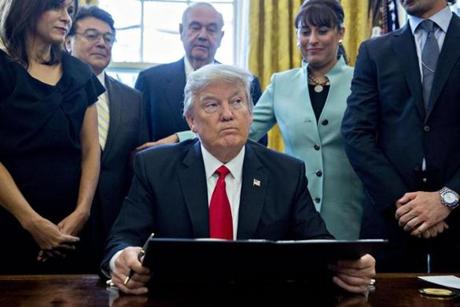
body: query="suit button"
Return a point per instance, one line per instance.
(319, 173)
(424, 179)
(426, 128)
(325, 122)
(317, 200)
(316, 147)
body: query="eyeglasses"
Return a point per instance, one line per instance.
(93, 35)
(212, 106)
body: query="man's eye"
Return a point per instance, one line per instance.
(91, 36)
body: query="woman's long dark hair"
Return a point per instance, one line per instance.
(19, 17)
(322, 13)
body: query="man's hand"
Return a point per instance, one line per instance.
(355, 275)
(167, 140)
(124, 263)
(433, 231)
(419, 211)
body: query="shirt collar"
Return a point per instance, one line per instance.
(441, 18)
(211, 163)
(189, 68)
(101, 78)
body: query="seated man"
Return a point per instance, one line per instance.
(255, 193)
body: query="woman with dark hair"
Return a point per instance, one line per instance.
(49, 151)
(308, 104)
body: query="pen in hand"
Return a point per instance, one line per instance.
(139, 257)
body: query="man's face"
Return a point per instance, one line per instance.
(92, 43)
(423, 8)
(201, 34)
(221, 117)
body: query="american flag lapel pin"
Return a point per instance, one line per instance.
(256, 183)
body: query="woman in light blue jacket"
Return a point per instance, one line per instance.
(308, 104)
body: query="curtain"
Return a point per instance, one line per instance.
(357, 26)
(88, 2)
(272, 45)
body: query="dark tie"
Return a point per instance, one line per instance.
(220, 214)
(430, 54)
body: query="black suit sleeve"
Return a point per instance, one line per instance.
(256, 92)
(135, 221)
(142, 86)
(306, 223)
(360, 131)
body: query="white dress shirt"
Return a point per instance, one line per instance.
(232, 181)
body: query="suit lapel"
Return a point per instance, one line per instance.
(192, 178)
(403, 44)
(114, 103)
(449, 55)
(253, 189)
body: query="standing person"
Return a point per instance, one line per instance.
(401, 130)
(122, 125)
(220, 186)
(49, 154)
(308, 104)
(162, 86)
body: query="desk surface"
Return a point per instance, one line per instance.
(89, 290)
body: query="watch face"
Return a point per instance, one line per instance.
(450, 198)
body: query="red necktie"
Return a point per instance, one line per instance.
(220, 215)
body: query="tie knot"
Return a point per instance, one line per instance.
(427, 25)
(222, 171)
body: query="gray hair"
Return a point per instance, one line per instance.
(186, 13)
(212, 73)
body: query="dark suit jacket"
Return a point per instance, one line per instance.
(169, 197)
(127, 130)
(162, 88)
(388, 132)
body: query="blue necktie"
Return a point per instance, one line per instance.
(430, 54)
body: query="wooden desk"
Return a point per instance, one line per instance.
(89, 290)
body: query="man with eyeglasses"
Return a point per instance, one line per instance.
(220, 185)
(121, 118)
(162, 86)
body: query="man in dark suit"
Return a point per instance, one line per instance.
(162, 86)
(402, 134)
(122, 125)
(176, 192)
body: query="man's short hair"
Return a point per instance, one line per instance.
(197, 4)
(92, 11)
(213, 73)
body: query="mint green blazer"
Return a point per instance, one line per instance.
(334, 187)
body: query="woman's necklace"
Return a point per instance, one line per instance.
(318, 85)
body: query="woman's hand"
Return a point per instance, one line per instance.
(73, 223)
(51, 240)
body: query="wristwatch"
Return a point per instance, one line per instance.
(449, 198)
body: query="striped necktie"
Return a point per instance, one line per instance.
(103, 117)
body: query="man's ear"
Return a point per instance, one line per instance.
(190, 122)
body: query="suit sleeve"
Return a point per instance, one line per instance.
(263, 114)
(307, 223)
(255, 94)
(360, 131)
(143, 125)
(135, 221)
(142, 86)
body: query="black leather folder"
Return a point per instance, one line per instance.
(182, 260)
